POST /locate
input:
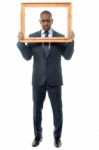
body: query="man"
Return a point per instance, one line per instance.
(47, 75)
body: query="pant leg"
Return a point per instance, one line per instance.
(39, 93)
(54, 93)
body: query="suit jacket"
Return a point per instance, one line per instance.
(47, 69)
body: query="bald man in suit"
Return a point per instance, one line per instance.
(47, 75)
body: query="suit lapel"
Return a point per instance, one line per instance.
(39, 33)
(54, 34)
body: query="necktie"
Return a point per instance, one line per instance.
(46, 45)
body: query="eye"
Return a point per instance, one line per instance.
(45, 21)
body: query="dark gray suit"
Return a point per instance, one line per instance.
(47, 76)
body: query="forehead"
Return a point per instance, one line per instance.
(45, 16)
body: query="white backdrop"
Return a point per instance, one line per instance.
(80, 94)
(32, 23)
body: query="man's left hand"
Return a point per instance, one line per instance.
(72, 35)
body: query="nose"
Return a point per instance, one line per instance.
(46, 23)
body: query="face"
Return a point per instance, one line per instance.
(46, 21)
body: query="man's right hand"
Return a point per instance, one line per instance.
(20, 36)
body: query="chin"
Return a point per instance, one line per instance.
(46, 29)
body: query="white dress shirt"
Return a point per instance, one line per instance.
(49, 35)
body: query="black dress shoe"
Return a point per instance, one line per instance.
(36, 141)
(57, 142)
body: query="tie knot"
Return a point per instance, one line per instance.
(46, 33)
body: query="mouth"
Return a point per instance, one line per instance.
(46, 27)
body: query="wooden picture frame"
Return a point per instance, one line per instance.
(67, 5)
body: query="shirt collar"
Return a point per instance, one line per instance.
(50, 31)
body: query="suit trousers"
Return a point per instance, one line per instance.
(39, 94)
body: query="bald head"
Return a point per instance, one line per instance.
(46, 12)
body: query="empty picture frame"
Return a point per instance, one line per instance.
(43, 5)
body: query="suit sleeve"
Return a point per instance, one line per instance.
(26, 50)
(67, 50)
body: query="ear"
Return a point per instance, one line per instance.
(52, 21)
(40, 21)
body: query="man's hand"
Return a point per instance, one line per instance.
(72, 35)
(20, 36)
